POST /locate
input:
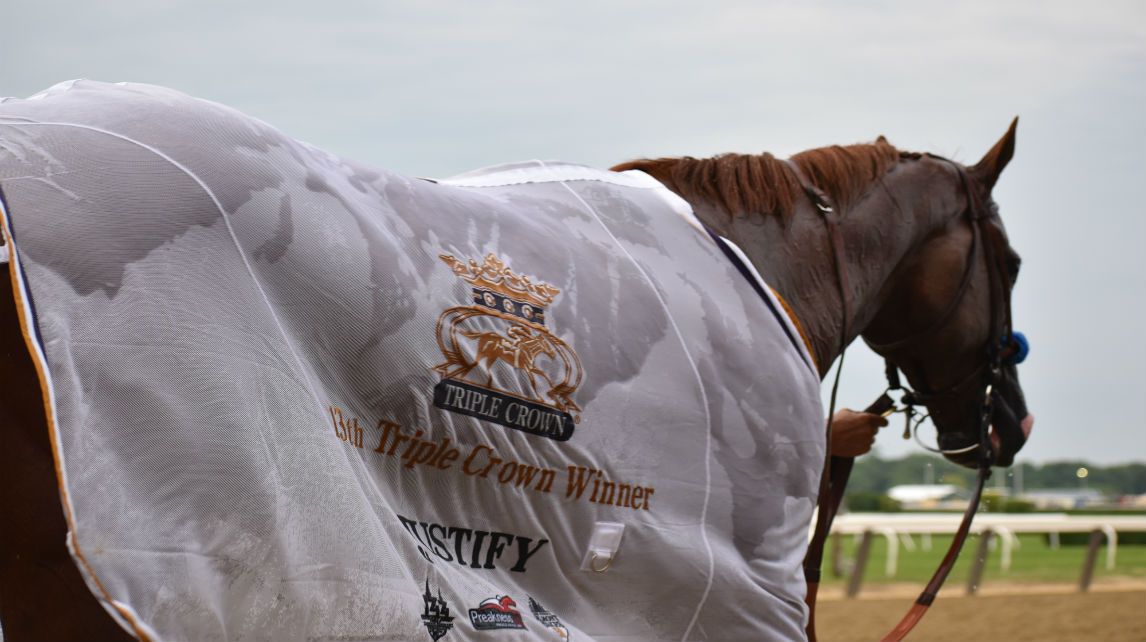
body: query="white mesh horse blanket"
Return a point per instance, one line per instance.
(294, 397)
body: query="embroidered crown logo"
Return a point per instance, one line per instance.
(502, 362)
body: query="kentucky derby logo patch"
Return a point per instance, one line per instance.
(436, 615)
(504, 333)
(496, 613)
(547, 619)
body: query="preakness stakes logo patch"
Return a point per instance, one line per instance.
(504, 332)
(496, 613)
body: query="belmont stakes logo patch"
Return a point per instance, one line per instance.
(496, 613)
(436, 615)
(548, 619)
(504, 330)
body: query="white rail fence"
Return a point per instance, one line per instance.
(899, 528)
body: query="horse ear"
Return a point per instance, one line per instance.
(882, 139)
(988, 169)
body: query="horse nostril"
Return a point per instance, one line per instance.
(1026, 424)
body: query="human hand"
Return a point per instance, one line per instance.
(853, 433)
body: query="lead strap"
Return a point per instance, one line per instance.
(923, 602)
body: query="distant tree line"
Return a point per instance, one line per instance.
(874, 475)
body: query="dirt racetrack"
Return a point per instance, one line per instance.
(1107, 614)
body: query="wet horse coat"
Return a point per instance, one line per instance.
(273, 415)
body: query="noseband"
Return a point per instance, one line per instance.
(988, 239)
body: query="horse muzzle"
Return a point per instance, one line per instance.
(1010, 427)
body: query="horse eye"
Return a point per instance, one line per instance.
(1013, 265)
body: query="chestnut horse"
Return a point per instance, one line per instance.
(911, 271)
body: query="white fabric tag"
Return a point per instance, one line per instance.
(603, 546)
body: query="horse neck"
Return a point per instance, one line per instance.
(880, 229)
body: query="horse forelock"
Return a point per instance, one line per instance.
(761, 184)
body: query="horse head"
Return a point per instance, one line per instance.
(946, 317)
(904, 249)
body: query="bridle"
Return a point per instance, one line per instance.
(988, 240)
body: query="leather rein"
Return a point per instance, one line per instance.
(985, 239)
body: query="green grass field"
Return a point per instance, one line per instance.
(1033, 560)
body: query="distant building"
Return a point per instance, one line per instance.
(927, 496)
(1063, 498)
(1133, 501)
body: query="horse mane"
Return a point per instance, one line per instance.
(763, 184)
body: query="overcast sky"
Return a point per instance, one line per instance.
(433, 89)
